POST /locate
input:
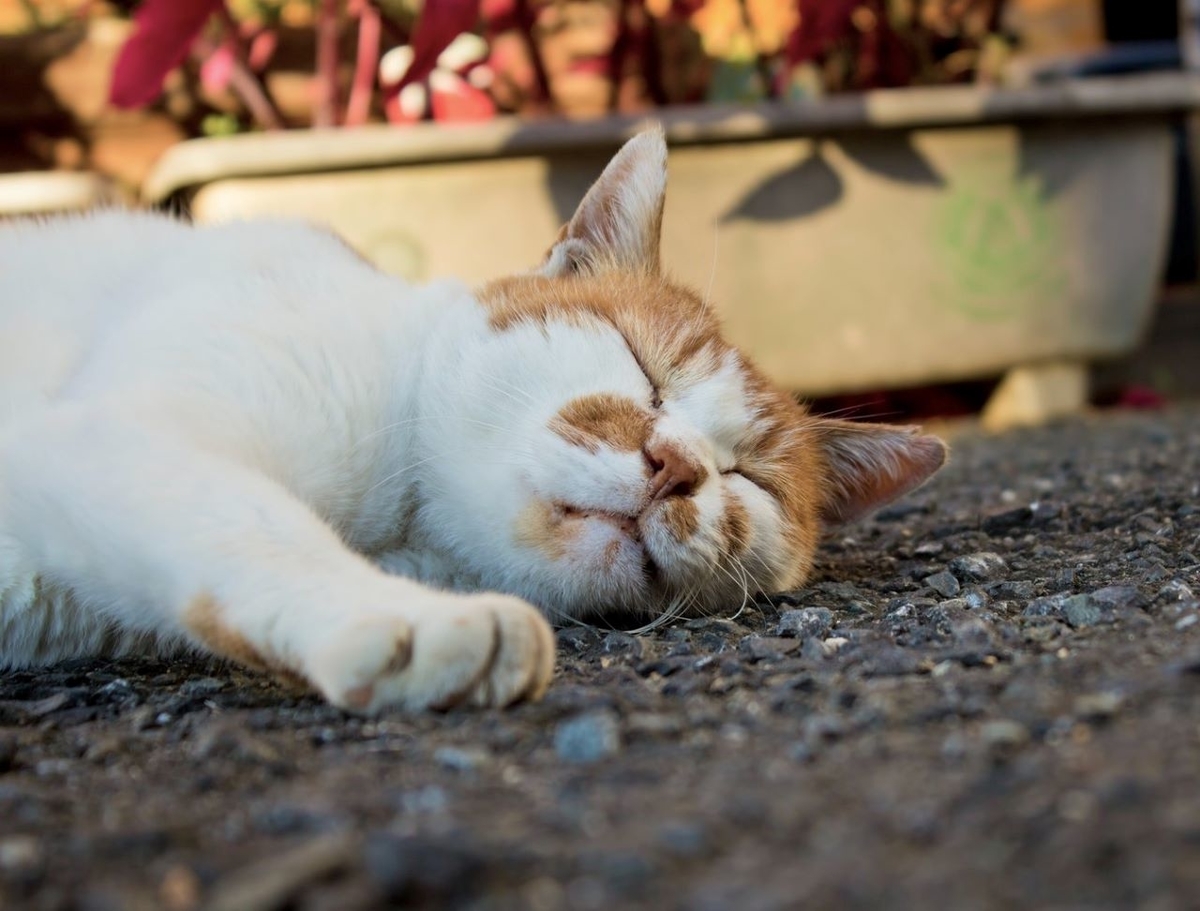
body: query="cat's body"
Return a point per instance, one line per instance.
(220, 437)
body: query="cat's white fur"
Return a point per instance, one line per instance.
(241, 437)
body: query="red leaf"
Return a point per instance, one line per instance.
(164, 34)
(262, 49)
(454, 100)
(441, 22)
(1141, 398)
(217, 69)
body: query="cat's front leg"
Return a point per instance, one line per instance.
(182, 542)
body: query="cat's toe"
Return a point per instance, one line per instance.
(524, 662)
(489, 650)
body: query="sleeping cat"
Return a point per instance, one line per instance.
(245, 439)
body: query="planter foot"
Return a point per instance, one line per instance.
(1036, 393)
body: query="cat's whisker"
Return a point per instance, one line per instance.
(388, 428)
(395, 474)
(712, 275)
(516, 393)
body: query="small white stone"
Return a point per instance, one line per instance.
(833, 645)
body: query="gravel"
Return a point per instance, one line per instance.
(988, 696)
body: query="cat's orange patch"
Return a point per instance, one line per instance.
(735, 525)
(540, 527)
(203, 619)
(666, 326)
(681, 518)
(591, 421)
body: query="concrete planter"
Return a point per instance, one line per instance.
(52, 192)
(892, 238)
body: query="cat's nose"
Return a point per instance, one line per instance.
(672, 474)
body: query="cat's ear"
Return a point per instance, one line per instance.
(617, 226)
(869, 465)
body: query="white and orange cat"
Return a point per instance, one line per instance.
(245, 439)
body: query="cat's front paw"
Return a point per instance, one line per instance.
(484, 650)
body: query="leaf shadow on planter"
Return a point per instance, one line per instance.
(796, 192)
(895, 158)
(813, 184)
(1054, 173)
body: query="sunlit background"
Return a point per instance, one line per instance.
(903, 208)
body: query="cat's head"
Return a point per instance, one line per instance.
(620, 455)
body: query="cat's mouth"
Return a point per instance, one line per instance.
(629, 526)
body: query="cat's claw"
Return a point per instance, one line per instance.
(485, 650)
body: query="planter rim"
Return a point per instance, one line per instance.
(38, 192)
(199, 161)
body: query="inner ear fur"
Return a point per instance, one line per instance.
(870, 465)
(619, 223)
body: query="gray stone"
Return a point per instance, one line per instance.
(1118, 597)
(767, 648)
(198, 688)
(1099, 706)
(944, 584)
(1084, 610)
(575, 639)
(1004, 733)
(978, 567)
(1003, 522)
(618, 643)
(408, 868)
(805, 622)
(1174, 591)
(588, 738)
(842, 591)
(461, 760)
(1011, 590)
(683, 839)
(1050, 606)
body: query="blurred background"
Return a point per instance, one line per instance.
(903, 208)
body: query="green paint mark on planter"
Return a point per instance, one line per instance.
(397, 252)
(999, 246)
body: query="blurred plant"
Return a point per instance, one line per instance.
(465, 59)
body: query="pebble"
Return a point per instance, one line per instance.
(833, 645)
(944, 583)
(1001, 523)
(1003, 734)
(805, 622)
(1174, 591)
(1099, 706)
(684, 840)
(767, 648)
(1011, 590)
(201, 688)
(841, 591)
(618, 643)
(219, 739)
(411, 868)
(461, 759)
(575, 639)
(1118, 597)
(978, 567)
(976, 598)
(180, 889)
(1050, 606)
(20, 854)
(1081, 611)
(588, 738)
